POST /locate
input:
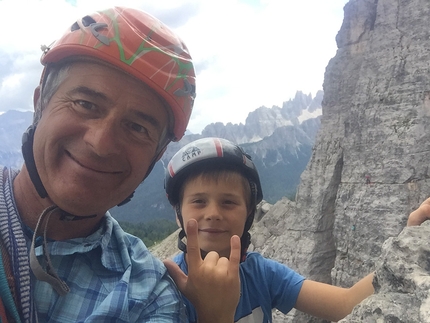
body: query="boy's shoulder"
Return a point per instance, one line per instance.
(259, 268)
(255, 259)
(255, 256)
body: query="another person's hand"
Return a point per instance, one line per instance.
(212, 284)
(421, 214)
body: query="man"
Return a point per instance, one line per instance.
(116, 88)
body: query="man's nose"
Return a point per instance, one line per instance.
(102, 135)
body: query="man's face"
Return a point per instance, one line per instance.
(96, 138)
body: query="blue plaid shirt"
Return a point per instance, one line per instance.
(112, 278)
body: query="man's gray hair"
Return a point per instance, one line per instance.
(54, 76)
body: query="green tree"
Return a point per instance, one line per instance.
(152, 231)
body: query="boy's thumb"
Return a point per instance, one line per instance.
(177, 274)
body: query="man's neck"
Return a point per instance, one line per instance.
(30, 206)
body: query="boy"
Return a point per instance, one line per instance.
(215, 188)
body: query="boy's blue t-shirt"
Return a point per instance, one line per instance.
(265, 284)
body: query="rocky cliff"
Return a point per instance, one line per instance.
(402, 283)
(375, 123)
(368, 170)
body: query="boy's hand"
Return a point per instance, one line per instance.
(421, 214)
(212, 284)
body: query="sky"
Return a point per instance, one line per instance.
(247, 53)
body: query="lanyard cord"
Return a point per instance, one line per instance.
(50, 276)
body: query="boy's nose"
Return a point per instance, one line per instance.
(213, 212)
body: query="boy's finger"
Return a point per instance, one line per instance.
(177, 274)
(194, 257)
(234, 252)
(420, 215)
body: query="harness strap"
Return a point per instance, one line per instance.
(7, 302)
(3, 316)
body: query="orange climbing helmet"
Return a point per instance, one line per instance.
(140, 45)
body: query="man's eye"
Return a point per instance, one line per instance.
(138, 128)
(85, 104)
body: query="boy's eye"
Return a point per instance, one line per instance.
(229, 202)
(198, 201)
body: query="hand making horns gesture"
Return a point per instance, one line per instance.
(212, 284)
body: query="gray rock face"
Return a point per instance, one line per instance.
(402, 282)
(375, 122)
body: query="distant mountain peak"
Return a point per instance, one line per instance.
(262, 122)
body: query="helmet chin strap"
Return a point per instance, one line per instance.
(181, 245)
(27, 152)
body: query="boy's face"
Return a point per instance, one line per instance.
(219, 207)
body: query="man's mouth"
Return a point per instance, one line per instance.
(96, 169)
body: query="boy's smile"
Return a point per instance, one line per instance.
(219, 207)
(211, 230)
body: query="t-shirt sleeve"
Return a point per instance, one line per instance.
(284, 285)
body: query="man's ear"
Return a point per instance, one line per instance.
(36, 96)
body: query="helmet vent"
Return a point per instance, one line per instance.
(74, 27)
(86, 21)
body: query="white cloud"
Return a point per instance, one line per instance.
(259, 57)
(247, 53)
(11, 83)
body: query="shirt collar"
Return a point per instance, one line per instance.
(109, 237)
